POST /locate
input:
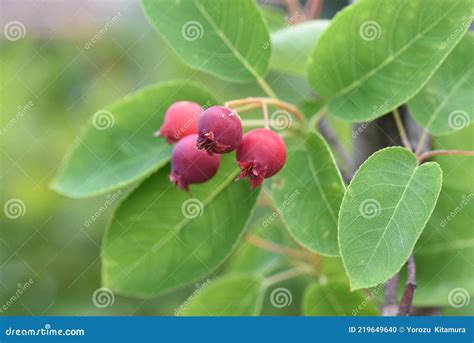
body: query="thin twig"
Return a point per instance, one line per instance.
(334, 141)
(287, 274)
(410, 286)
(390, 306)
(426, 155)
(401, 129)
(273, 247)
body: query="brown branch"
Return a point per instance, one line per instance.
(426, 155)
(390, 306)
(410, 286)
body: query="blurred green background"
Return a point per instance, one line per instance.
(52, 80)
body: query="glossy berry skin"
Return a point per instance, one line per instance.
(219, 129)
(180, 120)
(260, 155)
(190, 165)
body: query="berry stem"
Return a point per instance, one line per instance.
(401, 129)
(257, 102)
(426, 155)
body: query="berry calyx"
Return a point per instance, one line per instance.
(260, 155)
(190, 165)
(219, 130)
(180, 120)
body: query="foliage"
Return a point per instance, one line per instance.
(370, 59)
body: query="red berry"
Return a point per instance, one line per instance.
(190, 165)
(219, 129)
(180, 120)
(260, 155)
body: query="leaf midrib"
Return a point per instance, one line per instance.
(388, 60)
(226, 41)
(390, 220)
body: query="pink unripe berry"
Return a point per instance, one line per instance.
(190, 165)
(260, 155)
(219, 129)
(180, 120)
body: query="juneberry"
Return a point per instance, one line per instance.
(260, 155)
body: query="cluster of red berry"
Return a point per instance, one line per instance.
(202, 135)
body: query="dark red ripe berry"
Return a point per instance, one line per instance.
(180, 120)
(219, 129)
(190, 165)
(260, 155)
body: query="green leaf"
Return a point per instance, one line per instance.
(160, 238)
(228, 39)
(384, 211)
(292, 46)
(117, 146)
(445, 104)
(229, 295)
(334, 299)
(251, 259)
(379, 53)
(445, 252)
(308, 192)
